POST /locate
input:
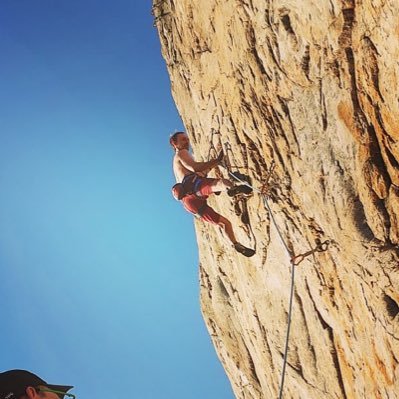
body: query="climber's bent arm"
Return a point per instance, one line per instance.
(188, 162)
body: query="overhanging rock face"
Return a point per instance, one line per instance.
(311, 87)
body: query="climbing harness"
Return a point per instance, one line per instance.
(189, 185)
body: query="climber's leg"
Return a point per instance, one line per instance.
(209, 186)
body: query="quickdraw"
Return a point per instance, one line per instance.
(322, 247)
(264, 190)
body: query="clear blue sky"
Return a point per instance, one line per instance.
(99, 264)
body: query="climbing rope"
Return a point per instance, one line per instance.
(294, 260)
(292, 277)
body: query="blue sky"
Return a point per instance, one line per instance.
(98, 263)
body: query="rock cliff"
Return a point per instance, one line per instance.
(310, 87)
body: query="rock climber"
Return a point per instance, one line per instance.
(193, 187)
(22, 384)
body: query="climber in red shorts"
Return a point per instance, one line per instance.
(193, 187)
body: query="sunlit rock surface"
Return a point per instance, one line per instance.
(313, 87)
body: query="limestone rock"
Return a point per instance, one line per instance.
(311, 87)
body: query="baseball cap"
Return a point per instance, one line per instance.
(13, 383)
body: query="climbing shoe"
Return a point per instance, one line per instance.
(242, 189)
(242, 177)
(248, 252)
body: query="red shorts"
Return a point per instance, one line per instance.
(198, 206)
(205, 187)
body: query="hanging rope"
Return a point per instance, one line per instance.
(294, 260)
(292, 278)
